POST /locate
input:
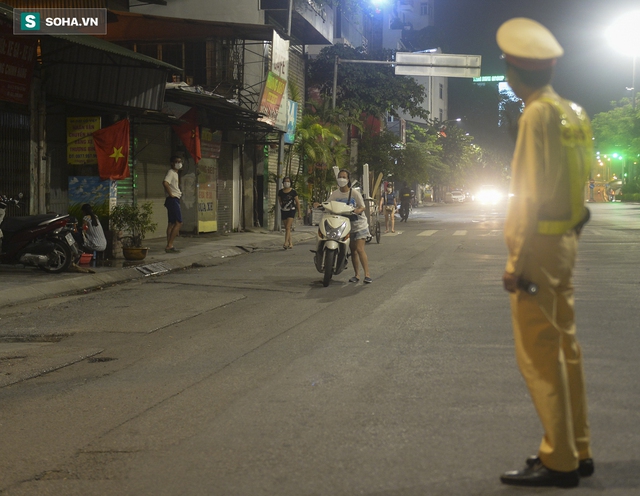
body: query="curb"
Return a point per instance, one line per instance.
(16, 295)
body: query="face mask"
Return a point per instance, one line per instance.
(177, 166)
(389, 190)
(286, 184)
(342, 181)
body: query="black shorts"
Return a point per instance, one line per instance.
(173, 210)
(287, 214)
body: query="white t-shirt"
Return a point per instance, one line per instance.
(356, 201)
(174, 183)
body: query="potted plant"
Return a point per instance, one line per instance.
(136, 222)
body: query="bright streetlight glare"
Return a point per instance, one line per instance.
(624, 35)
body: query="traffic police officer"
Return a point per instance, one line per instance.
(550, 169)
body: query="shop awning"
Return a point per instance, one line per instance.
(126, 26)
(94, 71)
(111, 48)
(223, 113)
(85, 69)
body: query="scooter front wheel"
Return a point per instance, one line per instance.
(60, 258)
(329, 260)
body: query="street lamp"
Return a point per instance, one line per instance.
(624, 36)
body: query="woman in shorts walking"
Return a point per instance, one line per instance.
(289, 204)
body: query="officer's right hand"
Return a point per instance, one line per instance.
(510, 282)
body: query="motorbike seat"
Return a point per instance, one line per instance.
(15, 224)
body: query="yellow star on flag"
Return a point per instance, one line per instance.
(117, 154)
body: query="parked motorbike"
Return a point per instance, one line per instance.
(45, 241)
(332, 246)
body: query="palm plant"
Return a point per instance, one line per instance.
(320, 147)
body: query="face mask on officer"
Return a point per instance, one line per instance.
(342, 182)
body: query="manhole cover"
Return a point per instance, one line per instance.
(152, 269)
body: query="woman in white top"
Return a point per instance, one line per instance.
(92, 233)
(359, 227)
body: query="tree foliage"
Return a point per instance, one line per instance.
(618, 130)
(320, 148)
(365, 88)
(380, 151)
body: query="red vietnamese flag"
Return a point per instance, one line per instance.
(112, 148)
(189, 133)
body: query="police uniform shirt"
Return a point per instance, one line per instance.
(539, 172)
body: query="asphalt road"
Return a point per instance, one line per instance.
(250, 378)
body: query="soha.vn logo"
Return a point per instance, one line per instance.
(30, 21)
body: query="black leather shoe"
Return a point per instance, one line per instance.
(538, 476)
(585, 468)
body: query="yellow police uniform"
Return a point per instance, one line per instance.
(550, 167)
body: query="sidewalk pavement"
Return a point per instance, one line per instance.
(20, 285)
(30, 353)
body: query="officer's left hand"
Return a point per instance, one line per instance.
(510, 282)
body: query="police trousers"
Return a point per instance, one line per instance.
(548, 353)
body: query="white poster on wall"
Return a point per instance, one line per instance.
(280, 67)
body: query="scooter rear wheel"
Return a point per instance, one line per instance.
(329, 260)
(59, 259)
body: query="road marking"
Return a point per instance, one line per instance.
(392, 234)
(427, 233)
(460, 233)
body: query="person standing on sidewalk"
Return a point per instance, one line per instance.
(289, 204)
(173, 194)
(549, 171)
(405, 202)
(388, 201)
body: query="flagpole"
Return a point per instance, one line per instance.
(134, 195)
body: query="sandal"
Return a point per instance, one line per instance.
(354, 279)
(368, 280)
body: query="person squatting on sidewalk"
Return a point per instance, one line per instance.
(550, 167)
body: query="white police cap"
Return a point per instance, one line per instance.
(528, 44)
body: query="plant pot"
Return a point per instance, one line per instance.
(134, 253)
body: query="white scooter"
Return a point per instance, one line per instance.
(332, 247)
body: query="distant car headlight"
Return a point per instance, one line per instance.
(489, 196)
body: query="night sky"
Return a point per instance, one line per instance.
(591, 73)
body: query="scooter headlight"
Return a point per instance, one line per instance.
(334, 232)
